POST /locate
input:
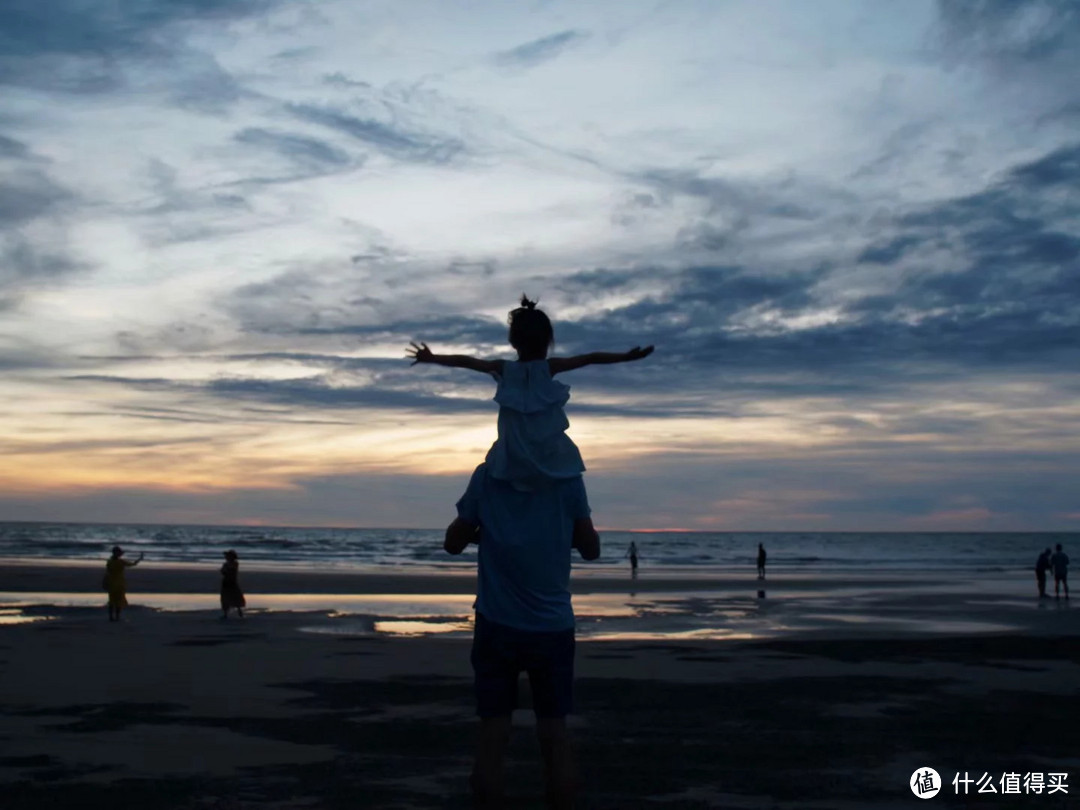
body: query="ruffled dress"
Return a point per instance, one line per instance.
(533, 449)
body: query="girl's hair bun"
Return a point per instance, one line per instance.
(526, 303)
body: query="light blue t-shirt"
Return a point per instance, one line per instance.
(524, 552)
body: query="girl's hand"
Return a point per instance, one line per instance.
(637, 352)
(419, 354)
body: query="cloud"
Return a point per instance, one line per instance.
(92, 48)
(387, 137)
(374, 499)
(538, 51)
(33, 209)
(1029, 49)
(11, 148)
(175, 212)
(307, 152)
(28, 194)
(1012, 31)
(1060, 167)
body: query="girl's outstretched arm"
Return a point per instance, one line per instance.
(557, 364)
(422, 354)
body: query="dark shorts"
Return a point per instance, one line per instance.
(501, 653)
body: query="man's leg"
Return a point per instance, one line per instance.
(496, 677)
(551, 675)
(488, 785)
(559, 775)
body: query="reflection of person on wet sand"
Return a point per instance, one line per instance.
(231, 595)
(761, 561)
(114, 582)
(632, 553)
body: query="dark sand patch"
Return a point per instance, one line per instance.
(794, 724)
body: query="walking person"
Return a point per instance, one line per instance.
(115, 582)
(761, 555)
(524, 619)
(1060, 563)
(632, 553)
(1042, 565)
(231, 595)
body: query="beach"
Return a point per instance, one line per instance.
(353, 689)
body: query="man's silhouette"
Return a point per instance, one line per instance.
(524, 618)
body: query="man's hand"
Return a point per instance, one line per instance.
(422, 354)
(586, 540)
(637, 352)
(459, 534)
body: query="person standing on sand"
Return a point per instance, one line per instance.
(633, 555)
(1060, 563)
(1042, 565)
(231, 595)
(114, 581)
(524, 618)
(761, 561)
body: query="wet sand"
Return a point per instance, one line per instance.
(829, 695)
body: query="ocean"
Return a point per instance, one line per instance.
(399, 549)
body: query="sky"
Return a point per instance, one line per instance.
(851, 230)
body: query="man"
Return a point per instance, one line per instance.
(1042, 565)
(1060, 563)
(524, 618)
(761, 561)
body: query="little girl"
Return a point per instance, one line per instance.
(532, 449)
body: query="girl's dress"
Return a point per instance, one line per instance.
(532, 449)
(231, 595)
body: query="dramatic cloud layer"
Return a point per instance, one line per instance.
(852, 231)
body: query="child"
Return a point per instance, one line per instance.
(231, 595)
(532, 448)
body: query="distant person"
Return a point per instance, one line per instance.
(532, 449)
(761, 555)
(231, 595)
(114, 581)
(632, 553)
(524, 618)
(1042, 565)
(1060, 563)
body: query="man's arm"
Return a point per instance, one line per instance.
(560, 364)
(459, 534)
(586, 540)
(420, 353)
